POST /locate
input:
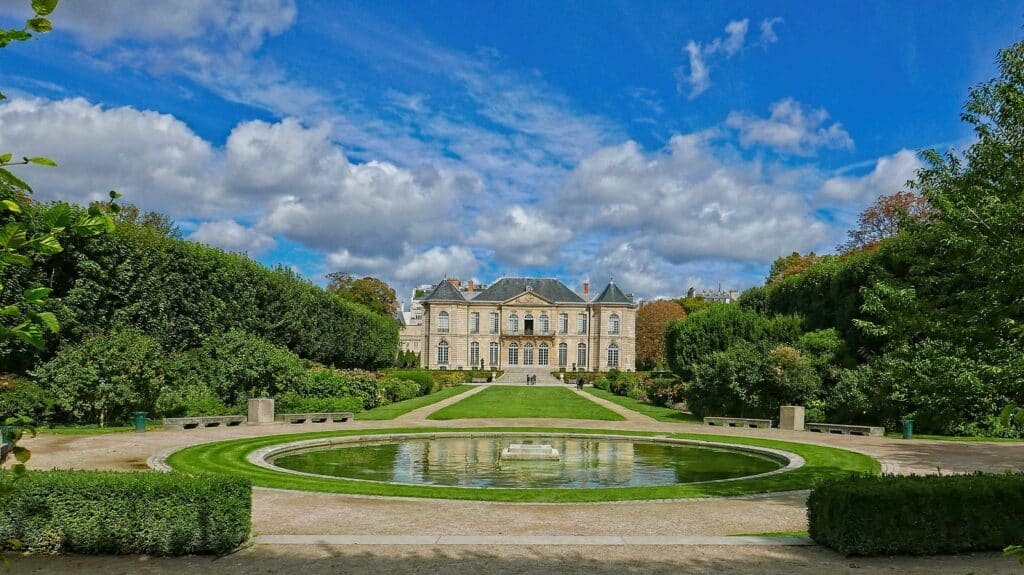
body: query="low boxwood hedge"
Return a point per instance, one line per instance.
(918, 515)
(101, 512)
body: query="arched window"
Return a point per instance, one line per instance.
(442, 322)
(613, 355)
(528, 324)
(474, 355)
(528, 354)
(542, 354)
(581, 355)
(513, 353)
(563, 354)
(544, 324)
(494, 353)
(613, 324)
(442, 353)
(513, 324)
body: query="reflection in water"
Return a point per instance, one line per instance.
(476, 462)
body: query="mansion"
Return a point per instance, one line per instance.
(520, 323)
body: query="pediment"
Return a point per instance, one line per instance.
(528, 298)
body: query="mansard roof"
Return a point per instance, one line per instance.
(548, 288)
(612, 294)
(444, 291)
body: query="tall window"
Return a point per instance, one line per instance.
(474, 322)
(581, 355)
(495, 322)
(563, 354)
(581, 323)
(528, 324)
(494, 353)
(563, 323)
(613, 324)
(513, 354)
(474, 355)
(442, 353)
(542, 354)
(528, 354)
(513, 324)
(442, 322)
(613, 355)
(544, 324)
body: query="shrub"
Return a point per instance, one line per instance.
(395, 389)
(236, 366)
(93, 512)
(423, 377)
(872, 515)
(333, 383)
(291, 402)
(105, 378)
(192, 401)
(20, 396)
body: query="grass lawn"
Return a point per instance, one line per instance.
(402, 407)
(898, 435)
(517, 401)
(94, 429)
(773, 534)
(666, 414)
(230, 457)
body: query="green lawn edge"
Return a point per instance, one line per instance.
(393, 410)
(660, 413)
(229, 457)
(518, 402)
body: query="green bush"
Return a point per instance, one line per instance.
(94, 512)
(292, 402)
(887, 515)
(20, 396)
(192, 400)
(327, 382)
(105, 378)
(423, 377)
(396, 389)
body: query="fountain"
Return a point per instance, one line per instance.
(529, 452)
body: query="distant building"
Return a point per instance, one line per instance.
(520, 323)
(717, 296)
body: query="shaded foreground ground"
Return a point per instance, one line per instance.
(523, 560)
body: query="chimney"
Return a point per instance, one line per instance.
(469, 286)
(586, 289)
(456, 282)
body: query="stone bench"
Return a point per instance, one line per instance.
(333, 417)
(478, 380)
(845, 429)
(738, 422)
(205, 421)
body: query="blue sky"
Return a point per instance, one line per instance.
(667, 144)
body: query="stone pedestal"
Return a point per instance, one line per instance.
(791, 417)
(261, 411)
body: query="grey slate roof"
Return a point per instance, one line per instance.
(444, 291)
(612, 294)
(547, 288)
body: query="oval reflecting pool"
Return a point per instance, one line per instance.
(478, 462)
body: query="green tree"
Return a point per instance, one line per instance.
(368, 291)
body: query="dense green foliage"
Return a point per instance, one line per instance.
(178, 292)
(926, 322)
(25, 397)
(871, 515)
(93, 512)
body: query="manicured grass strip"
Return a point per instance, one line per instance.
(502, 401)
(94, 429)
(402, 407)
(230, 457)
(666, 414)
(773, 534)
(898, 435)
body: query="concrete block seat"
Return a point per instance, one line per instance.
(478, 380)
(738, 422)
(846, 429)
(205, 421)
(332, 417)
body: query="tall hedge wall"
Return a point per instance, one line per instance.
(179, 292)
(102, 512)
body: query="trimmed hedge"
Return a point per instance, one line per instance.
(918, 515)
(104, 512)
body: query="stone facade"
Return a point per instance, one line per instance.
(523, 323)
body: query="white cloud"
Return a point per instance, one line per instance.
(232, 236)
(412, 266)
(521, 236)
(154, 159)
(890, 175)
(790, 127)
(696, 78)
(688, 202)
